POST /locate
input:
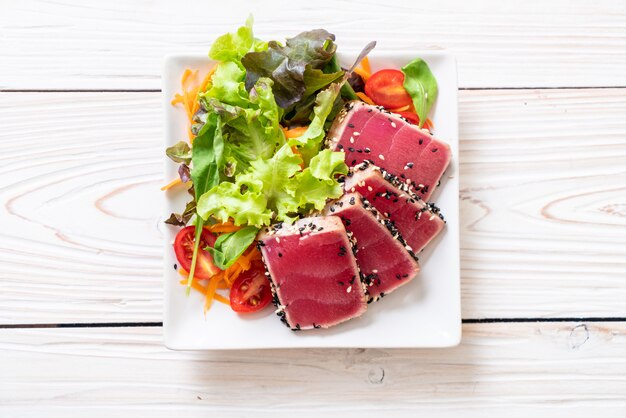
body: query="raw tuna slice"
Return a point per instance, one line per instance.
(417, 221)
(367, 132)
(314, 275)
(382, 256)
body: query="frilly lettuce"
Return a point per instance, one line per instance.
(275, 189)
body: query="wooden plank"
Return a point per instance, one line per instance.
(543, 220)
(549, 369)
(120, 45)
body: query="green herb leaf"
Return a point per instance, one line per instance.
(286, 65)
(180, 152)
(229, 247)
(421, 84)
(207, 156)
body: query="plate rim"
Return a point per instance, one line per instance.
(456, 333)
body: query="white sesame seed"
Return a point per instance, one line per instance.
(421, 186)
(349, 289)
(277, 240)
(356, 133)
(369, 188)
(393, 124)
(353, 190)
(432, 217)
(351, 140)
(419, 215)
(374, 271)
(408, 248)
(382, 157)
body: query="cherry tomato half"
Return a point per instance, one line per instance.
(251, 291)
(385, 88)
(183, 247)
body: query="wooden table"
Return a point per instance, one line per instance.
(543, 215)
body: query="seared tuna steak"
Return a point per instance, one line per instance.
(314, 275)
(417, 221)
(366, 132)
(382, 255)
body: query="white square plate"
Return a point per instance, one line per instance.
(424, 313)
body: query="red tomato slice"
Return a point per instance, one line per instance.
(251, 291)
(385, 88)
(183, 247)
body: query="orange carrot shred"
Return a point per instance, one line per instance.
(295, 132)
(222, 299)
(364, 97)
(364, 74)
(172, 183)
(365, 63)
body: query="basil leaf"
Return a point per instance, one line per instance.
(179, 152)
(421, 85)
(229, 247)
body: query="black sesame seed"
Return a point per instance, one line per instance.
(352, 200)
(340, 146)
(410, 165)
(367, 150)
(351, 125)
(353, 162)
(351, 149)
(175, 266)
(433, 150)
(421, 141)
(280, 254)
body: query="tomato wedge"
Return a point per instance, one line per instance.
(251, 291)
(385, 88)
(183, 247)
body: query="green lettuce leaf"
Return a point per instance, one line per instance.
(251, 132)
(229, 247)
(316, 184)
(227, 85)
(228, 201)
(180, 152)
(309, 143)
(287, 65)
(233, 46)
(207, 156)
(276, 189)
(421, 85)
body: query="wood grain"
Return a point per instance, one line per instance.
(543, 225)
(120, 45)
(513, 370)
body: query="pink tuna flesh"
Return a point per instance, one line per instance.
(366, 132)
(314, 273)
(418, 222)
(383, 259)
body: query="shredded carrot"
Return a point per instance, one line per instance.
(364, 74)
(364, 97)
(172, 183)
(190, 90)
(400, 109)
(295, 132)
(210, 291)
(223, 228)
(365, 63)
(221, 298)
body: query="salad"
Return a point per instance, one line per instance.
(259, 155)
